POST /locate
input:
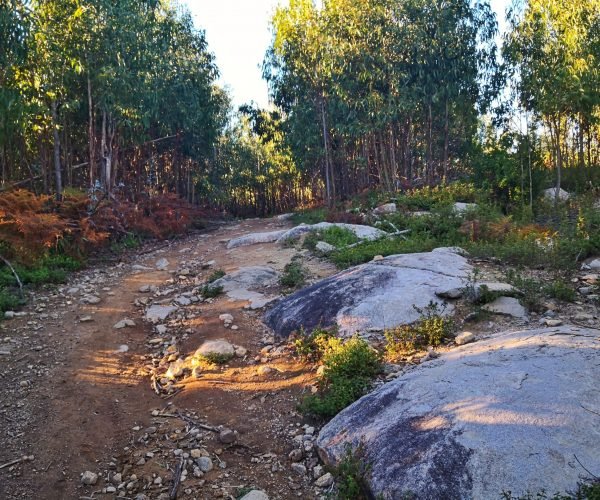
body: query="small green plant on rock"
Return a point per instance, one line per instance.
(349, 367)
(209, 291)
(215, 275)
(294, 275)
(351, 475)
(430, 330)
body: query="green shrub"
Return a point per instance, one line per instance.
(215, 358)
(9, 301)
(215, 275)
(294, 275)
(209, 291)
(339, 237)
(349, 367)
(560, 290)
(310, 216)
(533, 290)
(311, 347)
(351, 475)
(430, 330)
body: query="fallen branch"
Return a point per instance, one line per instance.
(189, 420)
(176, 480)
(9, 265)
(26, 458)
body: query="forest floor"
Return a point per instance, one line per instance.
(76, 395)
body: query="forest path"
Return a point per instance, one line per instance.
(75, 392)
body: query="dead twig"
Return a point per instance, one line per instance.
(26, 458)
(12, 269)
(189, 420)
(176, 480)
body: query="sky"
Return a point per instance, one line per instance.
(238, 33)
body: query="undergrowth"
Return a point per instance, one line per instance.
(430, 330)
(294, 275)
(348, 368)
(352, 474)
(339, 237)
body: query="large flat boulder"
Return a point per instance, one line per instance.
(248, 278)
(376, 295)
(362, 232)
(516, 412)
(255, 238)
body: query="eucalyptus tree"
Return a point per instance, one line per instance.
(552, 45)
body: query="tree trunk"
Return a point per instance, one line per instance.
(446, 142)
(328, 180)
(90, 131)
(57, 166)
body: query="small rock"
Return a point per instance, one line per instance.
(255, 495)
(299, 469)
(204, 464)
(86, 319)
(387, 208)
(162, 264)
(325, 481)
(324, 247)
(124, 323)
(89, 478)
(220, 347)
(464, 338)
(552, 322)
(296, 455)
(264, 370)
(227, 436)
(228, 318)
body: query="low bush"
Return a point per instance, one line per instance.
(215, 275)
(209, 291)
(352, 474)
(349, 367)
(339, 237)
(294, 275)
(430, 330)
(9, 301)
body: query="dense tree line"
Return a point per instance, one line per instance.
(106, 94)
(388, 93)
(379, 91)
(122, 97)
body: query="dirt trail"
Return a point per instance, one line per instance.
(76, 394)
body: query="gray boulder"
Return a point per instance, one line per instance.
(516, 412)
(550, 194)
(387, 208)
(507, 306)
(255, 238)
(361, 232)
(248, 278)
(376, 295)
(240, 285)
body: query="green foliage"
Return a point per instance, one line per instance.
(352, 474)
(339, 237)
(311, 347)
(9, 300)
(215, 275)
(310, 216)
(430, 330)
(209, 291)
(51, 269)
(349, 367)
(215, 358)
(294, 275)
(560, 290)
(533, 289)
